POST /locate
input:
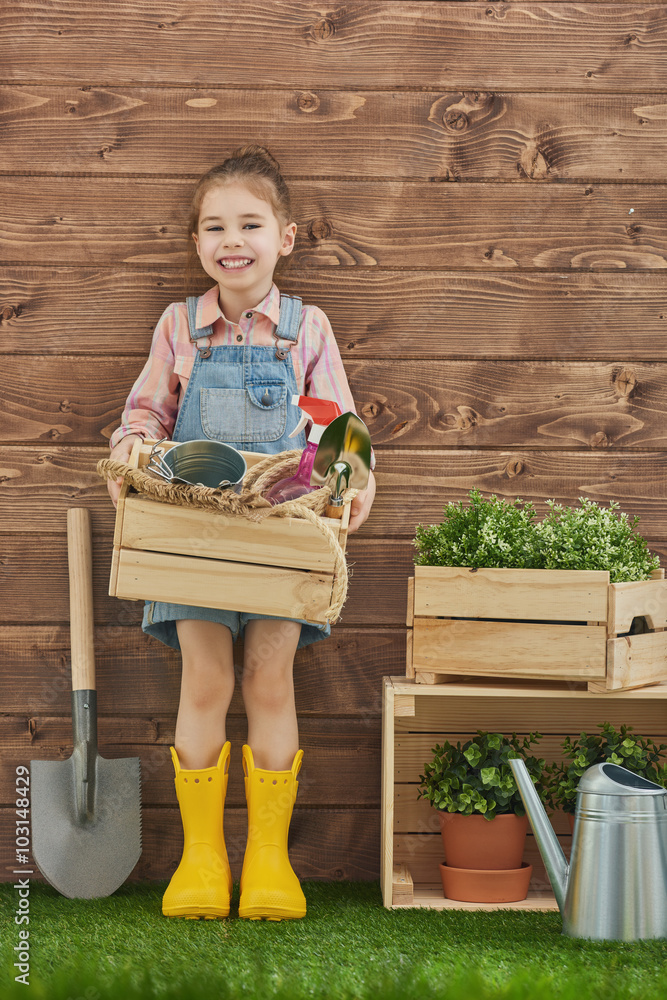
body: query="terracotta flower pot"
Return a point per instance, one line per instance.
(473, 842)
(468, 886)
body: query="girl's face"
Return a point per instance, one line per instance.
(239, 240)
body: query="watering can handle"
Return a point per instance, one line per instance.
(80, 562)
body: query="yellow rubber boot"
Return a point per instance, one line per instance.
(201, 886)
(269, 888)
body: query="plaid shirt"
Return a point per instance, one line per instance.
(152, 405)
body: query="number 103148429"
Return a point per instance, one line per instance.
(22, 813)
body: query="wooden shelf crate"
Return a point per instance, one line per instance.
(416, 716)
(565, 625)
(280, 566)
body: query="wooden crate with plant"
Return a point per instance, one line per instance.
(445, 750)
(575, 597)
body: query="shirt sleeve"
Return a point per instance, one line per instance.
(325, 375)
(152, 405)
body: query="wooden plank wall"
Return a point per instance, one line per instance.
(480, 194)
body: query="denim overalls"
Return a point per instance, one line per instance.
(239, 395)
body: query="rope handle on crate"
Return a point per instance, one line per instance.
(249, 503)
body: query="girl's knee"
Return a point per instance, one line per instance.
(270, 686)
(207, 680)
(206, 688)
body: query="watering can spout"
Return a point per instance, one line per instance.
(547, 841)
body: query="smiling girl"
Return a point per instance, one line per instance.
(224, 367)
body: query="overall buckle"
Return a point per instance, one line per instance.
(205, 350)
(281, 352)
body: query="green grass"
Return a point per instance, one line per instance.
(348, 947)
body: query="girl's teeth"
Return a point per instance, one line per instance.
(235, 263)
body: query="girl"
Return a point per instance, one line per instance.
(223, 366)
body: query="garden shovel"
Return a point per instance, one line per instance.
(85, 811)
(343, 457)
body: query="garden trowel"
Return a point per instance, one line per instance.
(342, 459)
(86, 810)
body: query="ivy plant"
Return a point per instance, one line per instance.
(636, 753)
(476, 777)
(505, 533)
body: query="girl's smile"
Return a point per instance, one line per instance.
(235, 263)
(239, 240)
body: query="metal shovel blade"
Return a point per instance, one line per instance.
(85, 857)
(85, 811)
(345, 439)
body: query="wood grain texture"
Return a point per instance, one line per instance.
(635, 661)
(410, 831)
(375, 314)
(33, 577)
(463, 136)
(592, 46)
(274, 590)
(429, 896)
(330, 844)
(412, 749)
(516, 595)
(508, 649)
(351, 224)
(647, 598)
(505, 332)
(278, 541)
(560, 709)
(499, 404)
(34, 582)
(341, 756)
(139, 676)
(412, 486)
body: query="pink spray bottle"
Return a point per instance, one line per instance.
(321, 412)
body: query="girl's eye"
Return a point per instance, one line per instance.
(251, 225)
(213, 229)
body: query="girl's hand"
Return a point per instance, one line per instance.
(121, 453)
(360, 507)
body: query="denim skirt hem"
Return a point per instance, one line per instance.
(160, 621)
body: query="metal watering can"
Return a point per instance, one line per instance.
(615, 886)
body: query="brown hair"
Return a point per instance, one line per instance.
(259, 170)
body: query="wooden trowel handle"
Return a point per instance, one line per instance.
(80, 560)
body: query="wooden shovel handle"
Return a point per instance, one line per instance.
(80, 561)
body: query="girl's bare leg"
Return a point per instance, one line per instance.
(207, 686)
(268, 692)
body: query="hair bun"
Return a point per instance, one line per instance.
(254, 167)
(255, 152)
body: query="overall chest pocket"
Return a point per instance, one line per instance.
(257, 412)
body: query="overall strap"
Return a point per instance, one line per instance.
(286, 333)
(195, 334)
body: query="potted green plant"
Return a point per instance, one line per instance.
(636, 753)
(481, 814)
(499, 593)
(506, 533)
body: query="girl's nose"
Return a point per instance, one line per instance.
(233, 239)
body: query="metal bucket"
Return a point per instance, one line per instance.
(199, 463)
